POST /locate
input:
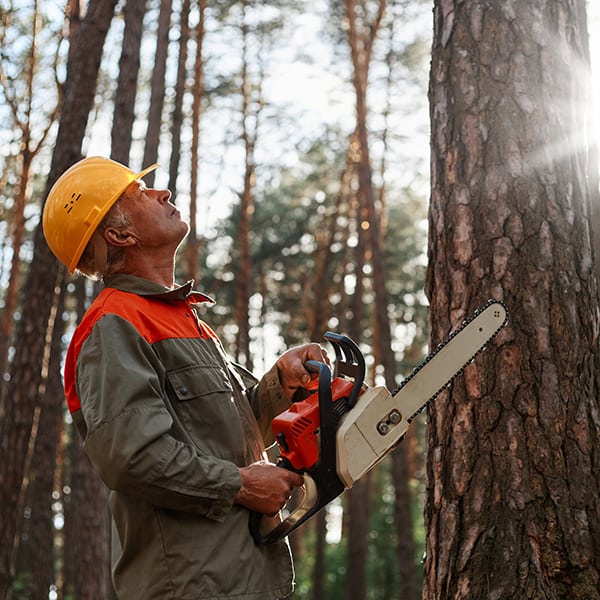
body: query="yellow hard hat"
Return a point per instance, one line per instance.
(78, 201)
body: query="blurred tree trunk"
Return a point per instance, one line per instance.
(29, 367)
(87, 551)
(21, 106)
(318, 311)
(252, 104)
(192, 247)
(157, 90)
(86, 558)
(357, 505)
(177, 115)
(514, 459)
(129, 66)
(318, 308)
(44, 469)
(357, 498)
(11, 297)
(320, 568)
(361, 36)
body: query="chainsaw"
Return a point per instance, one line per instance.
(344, 427)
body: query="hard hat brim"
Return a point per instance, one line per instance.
(146, 171)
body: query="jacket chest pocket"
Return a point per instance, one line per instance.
(204, 400)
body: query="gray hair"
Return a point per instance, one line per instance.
(118, 218)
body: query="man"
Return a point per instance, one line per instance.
(175, 429)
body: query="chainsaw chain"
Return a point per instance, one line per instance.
(440, 346)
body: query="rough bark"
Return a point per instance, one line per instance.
(514, 450)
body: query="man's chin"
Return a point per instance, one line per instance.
(184, 235)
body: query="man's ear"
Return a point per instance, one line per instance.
(121, 238)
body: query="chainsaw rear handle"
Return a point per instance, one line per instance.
(322, 484)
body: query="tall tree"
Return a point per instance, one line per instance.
(32, 119)
(514, 449)
(252, 104)
(192, 248)
(177, 114)
(44, 469)
(358, 498)
(157, 88)
(129, 66)
(364, 21)
(86, 569)
(29, 367)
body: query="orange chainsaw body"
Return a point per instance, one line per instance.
(296, 430)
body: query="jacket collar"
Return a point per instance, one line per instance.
(144, 287)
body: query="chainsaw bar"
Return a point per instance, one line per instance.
(379, 421)
(449, 364)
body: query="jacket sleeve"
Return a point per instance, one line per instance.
(121, 385)
(266, 398)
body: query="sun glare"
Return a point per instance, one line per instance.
(593, 17)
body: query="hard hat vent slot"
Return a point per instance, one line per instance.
(74, 198)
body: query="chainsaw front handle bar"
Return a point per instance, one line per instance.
(321, 483)
(349, 362)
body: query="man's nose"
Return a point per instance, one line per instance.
(163, 196)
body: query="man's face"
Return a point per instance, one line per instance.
(155, 221)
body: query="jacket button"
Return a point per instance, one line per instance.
(184, 391)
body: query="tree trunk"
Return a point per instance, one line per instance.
(87, 574)
(11, 297)
(251, 108)
(514, 451)
(361, 39)
(358, 496)
(319, 570)
(358, 539)
(44, 469)
(28, 372)
(22, 118)
(157, 90)
(177, 114)
(192, 248)
(129, 66)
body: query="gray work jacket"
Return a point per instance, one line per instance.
(166, 419)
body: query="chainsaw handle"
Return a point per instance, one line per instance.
(303, 392)
(321, 482)
(315, 366)
(349, 361)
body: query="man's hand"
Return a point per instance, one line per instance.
(293, 373)
(266, 487)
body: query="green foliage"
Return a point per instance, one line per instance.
(290, 214)
(286, 220)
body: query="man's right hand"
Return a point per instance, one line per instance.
(266, 487)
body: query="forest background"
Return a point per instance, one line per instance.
(295, 137)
